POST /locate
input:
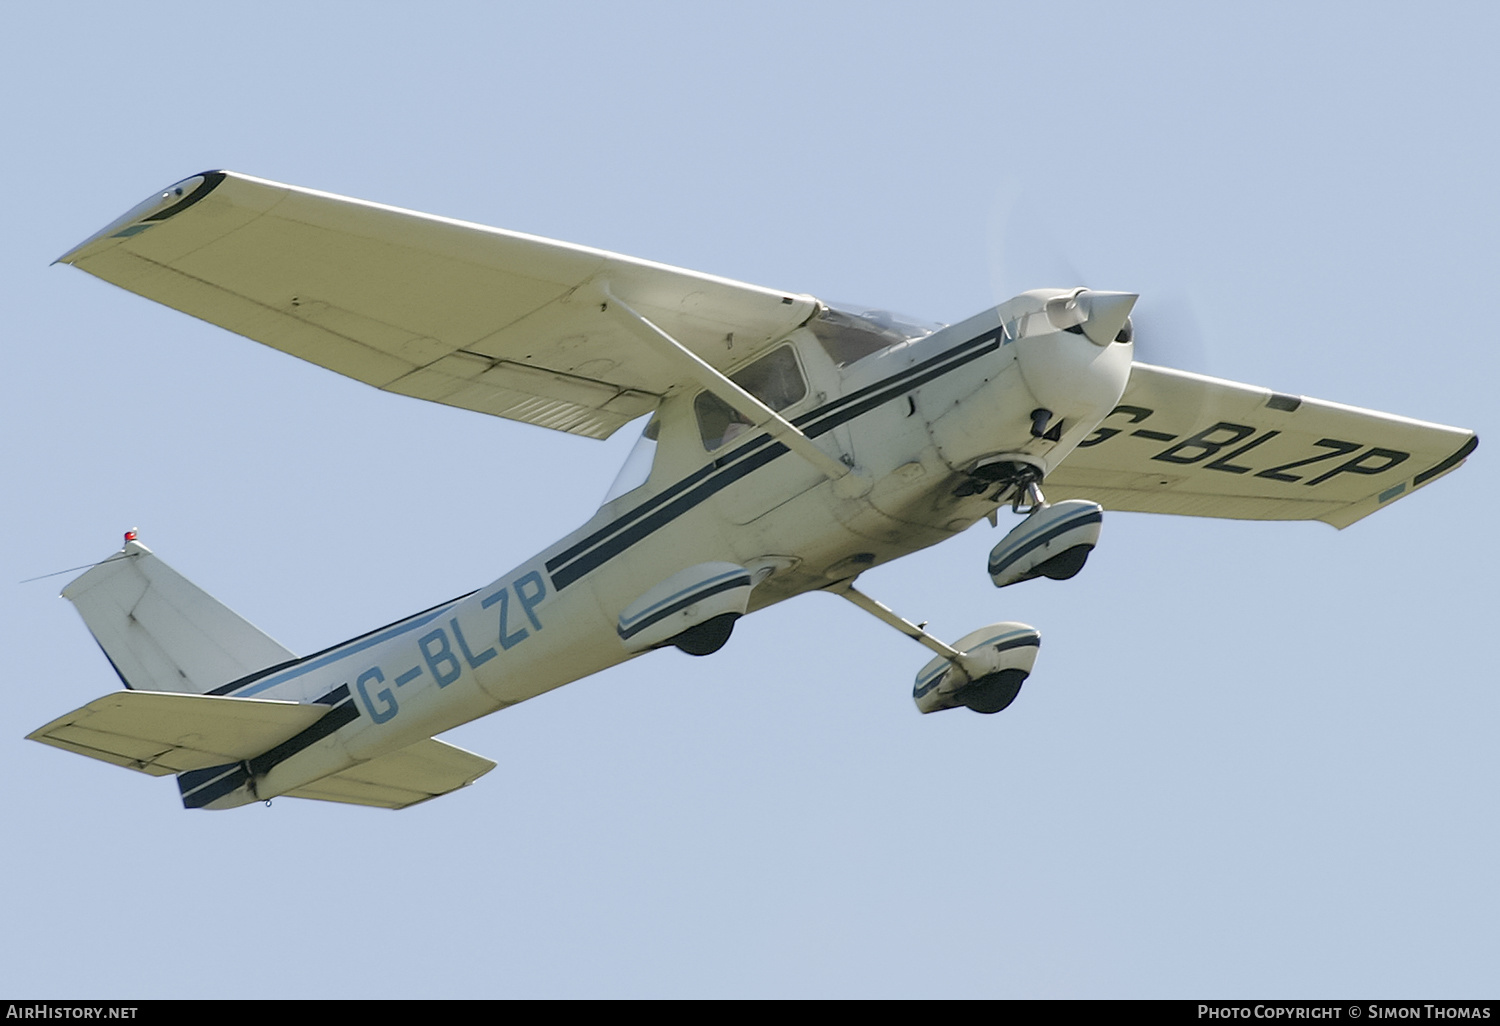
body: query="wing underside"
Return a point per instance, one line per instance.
(1198, 446)
(456, 313)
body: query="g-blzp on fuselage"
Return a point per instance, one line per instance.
(913, 419)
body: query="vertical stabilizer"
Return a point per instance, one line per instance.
(162, 632)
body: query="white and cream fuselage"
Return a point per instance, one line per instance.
(909, 421)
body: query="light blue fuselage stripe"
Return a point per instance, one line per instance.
(342, 653)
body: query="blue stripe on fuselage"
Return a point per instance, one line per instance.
(655, 513)
(348, 648)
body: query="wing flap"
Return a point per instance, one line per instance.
(161, 734)
(416, 773)
(1199, 446)
(456, 313)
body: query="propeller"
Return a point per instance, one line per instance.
(1168, 332)
(1025, 254)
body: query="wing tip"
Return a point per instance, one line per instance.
(1445, 465)
(167, 203)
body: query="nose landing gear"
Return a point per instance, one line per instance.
(1053, 541)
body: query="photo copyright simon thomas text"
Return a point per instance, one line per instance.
(1299, 1010)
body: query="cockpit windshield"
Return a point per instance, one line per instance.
(851, 333)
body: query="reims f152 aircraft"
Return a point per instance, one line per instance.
(790, 446)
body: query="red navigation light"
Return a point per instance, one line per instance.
(132, 534)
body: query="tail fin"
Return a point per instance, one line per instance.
(161, 632)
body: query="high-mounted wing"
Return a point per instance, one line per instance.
(1198, 446)
(456, 313)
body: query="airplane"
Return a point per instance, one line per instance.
(789, 445)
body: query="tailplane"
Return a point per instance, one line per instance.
(178, 651)
(161, 632)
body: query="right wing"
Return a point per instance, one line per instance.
(444, 310)
(1199, 446)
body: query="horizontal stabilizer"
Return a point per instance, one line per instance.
(161, 734)
(413, 774)
(164, 633)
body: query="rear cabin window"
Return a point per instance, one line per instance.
(775, 379)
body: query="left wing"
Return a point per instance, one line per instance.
(1199, 446)
(456, 313)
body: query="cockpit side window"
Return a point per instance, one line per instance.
(775, 379)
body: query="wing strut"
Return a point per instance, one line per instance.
(761, 415)
(888, 616)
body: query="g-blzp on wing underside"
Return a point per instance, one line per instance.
(1199, 446)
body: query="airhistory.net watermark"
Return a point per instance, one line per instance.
(47, 1010)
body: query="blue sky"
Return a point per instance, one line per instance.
(1253, 758)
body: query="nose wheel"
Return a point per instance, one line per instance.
(1053, 541)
